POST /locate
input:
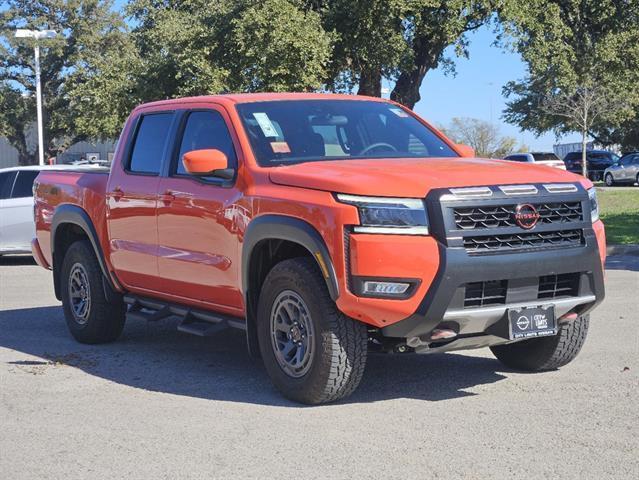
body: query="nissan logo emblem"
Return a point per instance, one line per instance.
(526, 216)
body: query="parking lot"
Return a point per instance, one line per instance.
(161, 404)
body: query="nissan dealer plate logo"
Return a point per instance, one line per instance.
(526, 216)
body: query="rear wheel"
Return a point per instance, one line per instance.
(609, 180)
(90, 315)
(312, 352)
(546, 353)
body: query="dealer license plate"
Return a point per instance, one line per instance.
(530, 322)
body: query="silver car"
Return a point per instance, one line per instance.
(626, 170)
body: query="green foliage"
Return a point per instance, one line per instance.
(276, 47)
(571, 45)
(483, 136)
(88, 31)
(619, 210)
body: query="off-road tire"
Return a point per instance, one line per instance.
(546, 353)
(105, 318)
(609, 180)
(340, 343)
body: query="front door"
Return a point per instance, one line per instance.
(198, 219)
(132, 203)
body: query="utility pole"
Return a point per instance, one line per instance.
(38, 35)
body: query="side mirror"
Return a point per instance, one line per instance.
(207, 163)
(465, 151)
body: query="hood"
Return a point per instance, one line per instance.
(414, 177)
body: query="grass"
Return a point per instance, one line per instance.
(619, 210)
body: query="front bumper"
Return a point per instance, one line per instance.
(443, 305)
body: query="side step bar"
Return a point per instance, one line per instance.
(195, 322)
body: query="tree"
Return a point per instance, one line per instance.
(213, 47)
(87, 29)
(399, 40)
(434, 27)
(571, 46)
(483, 136)
(581, 108)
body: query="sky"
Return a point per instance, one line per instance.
(476, 90)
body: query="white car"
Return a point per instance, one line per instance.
(16, 207)
(541, 158)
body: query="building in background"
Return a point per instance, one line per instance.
(78, 151)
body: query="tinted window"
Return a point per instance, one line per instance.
(545, 156)
(23, 186)
(283, 132)
(517, 158)
(628, 160)
(146, 156)
(206, 130)
(6, 182)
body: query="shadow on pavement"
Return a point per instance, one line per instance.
(158, 358)
(17, 260)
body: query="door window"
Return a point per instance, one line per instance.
(146, 156)
(23, 186)
(205, 130)
(6, 182)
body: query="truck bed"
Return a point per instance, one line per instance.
(82, 186)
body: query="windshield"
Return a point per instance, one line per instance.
(295, 131)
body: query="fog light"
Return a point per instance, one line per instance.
(385, 288)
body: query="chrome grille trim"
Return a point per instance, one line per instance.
(519, 189)
(560, 187)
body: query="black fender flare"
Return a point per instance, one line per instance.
(73, 214)
(282, 227)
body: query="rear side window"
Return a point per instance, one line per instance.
(6, 182)
(23, 186)
(545, 156)
(146, 156)
(206, 130)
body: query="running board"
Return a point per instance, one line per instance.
(193, 321)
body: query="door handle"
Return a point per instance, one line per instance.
(117, 193)
(167, 197)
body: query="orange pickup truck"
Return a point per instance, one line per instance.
(326, 227)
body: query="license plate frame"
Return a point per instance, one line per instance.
(532, 322)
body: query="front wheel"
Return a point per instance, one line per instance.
(90, 315)
(609, 180)
(546, 353)
(312, 352)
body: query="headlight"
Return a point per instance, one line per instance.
(403, 216)
(594, 205)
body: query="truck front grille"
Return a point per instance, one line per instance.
(496, 292)
(496, 216)
(563, 285)
(523, 241)
(481, 294)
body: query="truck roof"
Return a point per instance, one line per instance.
(234, 98)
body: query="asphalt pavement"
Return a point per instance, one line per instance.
(160, 404)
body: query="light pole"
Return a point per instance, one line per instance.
(38, 35)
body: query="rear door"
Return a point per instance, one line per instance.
(132, 202)
(198, 221)
(18, 228)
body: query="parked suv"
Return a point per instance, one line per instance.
(322, 225)
(548, 159)
(597, 161)
(624, 171)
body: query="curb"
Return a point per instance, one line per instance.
(622, 250)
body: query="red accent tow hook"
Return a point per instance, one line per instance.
(442, 334)
(569, 317)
